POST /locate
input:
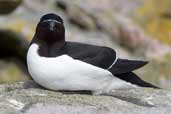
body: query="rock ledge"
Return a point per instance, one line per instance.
(29, 98)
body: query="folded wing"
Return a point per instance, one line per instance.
(124, 66)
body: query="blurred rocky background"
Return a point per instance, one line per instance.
(137, 29)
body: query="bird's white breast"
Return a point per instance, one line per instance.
(66, 73)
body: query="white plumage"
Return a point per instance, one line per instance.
(65, 73)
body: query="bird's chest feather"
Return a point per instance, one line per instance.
(49, 70)
(42, 69)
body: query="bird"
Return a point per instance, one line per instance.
(57, 64)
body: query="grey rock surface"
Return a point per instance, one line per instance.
(29, 98)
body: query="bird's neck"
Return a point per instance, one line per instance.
(56, 45)
(50, 49)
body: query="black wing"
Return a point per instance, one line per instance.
(98, 56)
(123, 66)
(104, 57)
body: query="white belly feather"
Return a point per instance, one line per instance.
(66, 73)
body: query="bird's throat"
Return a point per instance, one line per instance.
(50, 50)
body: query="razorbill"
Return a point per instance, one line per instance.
(61, 65)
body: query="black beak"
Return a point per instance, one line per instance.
(51, 26)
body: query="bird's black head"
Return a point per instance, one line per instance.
(50, 29)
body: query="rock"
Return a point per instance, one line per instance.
(12, 44)
(11, 71)
(7, 6)
(114, 17)
(154, 17)
(13, 48)
(18, 98)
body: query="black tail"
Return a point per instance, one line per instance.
(134, 79)
(123, 69)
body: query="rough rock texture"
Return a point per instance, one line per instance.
(29, 98)
(7, 6)
(114, 18)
